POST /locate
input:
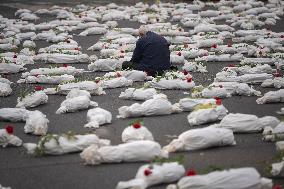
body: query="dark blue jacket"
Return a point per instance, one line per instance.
(151, 53)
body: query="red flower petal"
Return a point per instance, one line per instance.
(185, 72)
(282, 36)
(118, 74)
(214, 46)
(218, 102)
(221, 86)
(189, 80)
(136, 125)
(179, 53)
(65, 65)
(9, 129)
(190, 172)
(147, 172)
(276, 74)
(232, 65)
(277, 186)
(15, 56)
(229, 45)
(38, 88)
(122, 51)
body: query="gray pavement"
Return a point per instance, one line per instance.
(21, 171)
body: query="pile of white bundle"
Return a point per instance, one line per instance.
(241, 178)
(212, 92)
(203, 116)
(196, 139)
(32, 100)
(158, 105)
(134, 75)
(5, 89)
(246, 69)
(189, 104)
(136, 151)
(36, 123)
(164, 83)
(62, 58)
(14, 114)
(75, 104)
(62, 144)
(249, 61)
(116, 82)
(77, 92)
(93, 31)
(194, 53)
(209, 42)
(29, 44)
(154, 174)
(138, 94)
(277, 168)
(221, 58)
(135, 132)
(235, 88)
(97, 117)
(11, 68)
(194, 67)
(90, 86)
(105, 65)
(246, 123)
(7, 138)
(271, 97)
(277, 82)
(70, 70)
(46, 79)
(271, 133)
(246, 78)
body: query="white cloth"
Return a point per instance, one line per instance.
(196, 139)
(138, 94)
(158, 174)
(116, 82)
(65, 144)
(203, 116)
(246, 123)
(48, 79)
(90, 86)
(5, 89)
(36, 123)
(188, 104)
(9, 139)
(11, 68)
(241, 178)
(97, 117)
(32, 100)
(75, 104)
(271, 97)
(159, 105)
(14, 114)
(131, 134)
(136, 151)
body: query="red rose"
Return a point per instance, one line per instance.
(189, 80)
(185, 72)
(190, 172)
(118, 74)
(218, 101)
(214, 46)
(77, 48)
(147, 172)
(179, 29)
(68, 41)
(158, 19)
(137, 125)
(36, 75)
(120, 44)
(97, 81)
(229, 45)
(122, 51)
(276, 74)
(185, 45)
(231, 65)
(277, 186)
(65, 65)
(179, 53)
(282, 36)
(80, 16)
(9, 129)
(38, 88)
(15, 56)
(221, 86)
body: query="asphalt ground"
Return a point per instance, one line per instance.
(22, 171)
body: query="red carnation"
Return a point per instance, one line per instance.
(276, 74)
(179, 29)
(214, 46)
(229, 45)
(147, 172)
(68, 41)
(189, 80)
(120, 44)
(179, 53)
(9, 129)
(218, 101)
(221, 86)
(137, 125)
(190, 172)
(185, 45)
(231, 65)
(38, 88)
(122, 51)
(277, 186)
(282, 36)
(80, 16)
(65, 65)
(36, 75)
(185, 72)
(97, 81)
(15, 56)
(77, 48)
(118, 74)
(158, 19)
